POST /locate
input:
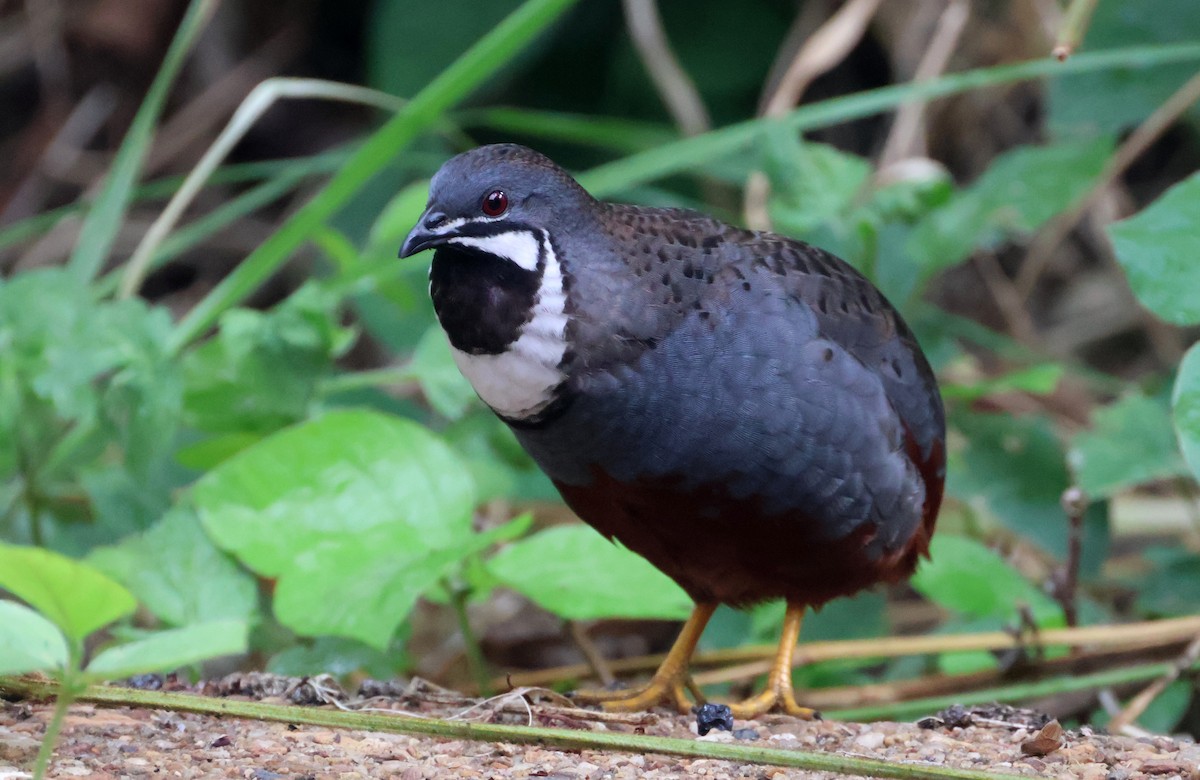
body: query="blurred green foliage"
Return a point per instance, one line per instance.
(245, 476)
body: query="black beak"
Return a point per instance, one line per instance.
(424, 236)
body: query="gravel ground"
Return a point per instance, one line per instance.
(130, 743)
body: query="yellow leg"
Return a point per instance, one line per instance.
(669, 682)
(778, 695)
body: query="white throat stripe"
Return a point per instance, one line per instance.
(520, 247)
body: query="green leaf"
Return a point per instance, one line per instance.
(1185, 401)
(262, 371)
(1158, 247)
(29, 642)
(1131, 442)
(1017, 468)
(356, 513)
(179, 574)
(967, 577)
(578, 574)
(444, 386)
(1115, 99)
(74, 596)
(169, 650)
(1019, 192)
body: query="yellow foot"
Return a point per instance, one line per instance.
(776, 698)
(669, 682)
(669, 692)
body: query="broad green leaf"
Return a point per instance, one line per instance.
(1159, 248)
(500, 467)
(1130, 442)
(444, 386)
(179, 574)
(262, 370)
(168, 650)
(1186, 403)
(965, 576)
(578, 574)
(74, 596)
(29, 642)
(1016, 468)
(1116, 99)
(1014, 197)
(355, 513)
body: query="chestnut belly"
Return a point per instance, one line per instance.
(731, 551)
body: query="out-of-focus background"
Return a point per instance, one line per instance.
(255, 420)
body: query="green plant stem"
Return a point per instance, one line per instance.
(565, 739)
(459, 593)
(1009, 693)
(360, 380)
(104, 219)
(423, 111)
(53, 728)
(689, 153)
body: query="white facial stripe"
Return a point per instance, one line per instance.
(520, 381)
(517, 246)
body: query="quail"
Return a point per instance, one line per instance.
(744, 410)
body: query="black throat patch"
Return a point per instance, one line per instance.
(481, 300)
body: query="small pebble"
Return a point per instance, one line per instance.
(745, 733)
(871, 740)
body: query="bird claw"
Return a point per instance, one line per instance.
(776, 698)
(665, 691)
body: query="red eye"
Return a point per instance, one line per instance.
(495, 203)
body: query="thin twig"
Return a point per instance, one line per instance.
(1074, 27)
(1148, 634)
(828, 46)
(568, 739)
(1138, 704)
(1041, 249)
(592, 653)
(906, 130)
(677, 89)
(1074, 503)
(1004, 293)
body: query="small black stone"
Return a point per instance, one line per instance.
(146, 682)
(713, 716)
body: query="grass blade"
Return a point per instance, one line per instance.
(687, 154)
(104, 219)
(456, 82)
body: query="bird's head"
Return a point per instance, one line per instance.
(499, 200)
